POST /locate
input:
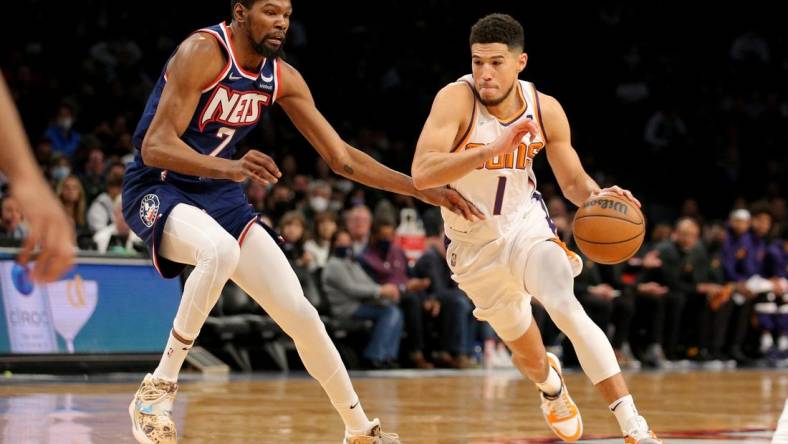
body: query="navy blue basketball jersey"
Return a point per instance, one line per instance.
(229, 108)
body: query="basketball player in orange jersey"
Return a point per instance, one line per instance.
(181, 195)
(49, 228)
(481, 137)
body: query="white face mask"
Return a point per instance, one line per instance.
(65, 123)
(60, 172)
(318, 203)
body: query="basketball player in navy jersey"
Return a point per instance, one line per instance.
(182, 196)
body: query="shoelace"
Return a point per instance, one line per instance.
(389, 435)
(152, 393)
(560, 407)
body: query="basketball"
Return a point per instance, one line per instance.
(609, 229)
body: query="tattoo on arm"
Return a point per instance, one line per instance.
(348, 169)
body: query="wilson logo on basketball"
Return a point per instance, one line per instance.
(605, 204)
(234, 108)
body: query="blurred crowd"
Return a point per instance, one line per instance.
(706, 111)
(709, 291)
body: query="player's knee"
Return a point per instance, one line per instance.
(222, 255)
(571, 318)
(548, 274)
(510, 321)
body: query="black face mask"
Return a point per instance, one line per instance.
(343, 252)
(383, 246)
(281, 207)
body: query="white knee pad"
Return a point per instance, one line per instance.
(548, 277)
(220, 257)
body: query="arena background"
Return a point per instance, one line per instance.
(375, 67)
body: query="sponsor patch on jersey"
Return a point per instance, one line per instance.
(149, 209)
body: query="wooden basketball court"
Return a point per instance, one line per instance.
(443, 407)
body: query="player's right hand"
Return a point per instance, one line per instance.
(509, 140)
(255, 165)
(50, 230)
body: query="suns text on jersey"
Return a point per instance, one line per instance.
(524, 156)
(234, 108)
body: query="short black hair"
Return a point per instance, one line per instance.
(498, 28)
(761, 207)
(247, 4)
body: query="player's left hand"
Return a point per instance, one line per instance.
(615, 189)
(451, 199)
(51, 232)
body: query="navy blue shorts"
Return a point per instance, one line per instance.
(148, 202)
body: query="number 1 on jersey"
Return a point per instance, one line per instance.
(499, 195)
(226, 134)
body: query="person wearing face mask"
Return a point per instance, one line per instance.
(317, 199)
(386, 263)
(65, 140)
(59, 169)
(353, 294)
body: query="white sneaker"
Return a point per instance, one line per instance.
(150, 412)
(560, 411)
(374, 436)
(639, 433)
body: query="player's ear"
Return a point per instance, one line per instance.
(522, 60)
(239, 13)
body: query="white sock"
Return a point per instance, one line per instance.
(552, 385)
(624, 409)
(171, 361)
(346, 402)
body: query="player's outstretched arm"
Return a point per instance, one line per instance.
(347, 161)
(50, 229)
(434, 163)
(196, 65)
(575, 183)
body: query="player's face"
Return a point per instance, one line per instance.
(267, 22)
(495, 69)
